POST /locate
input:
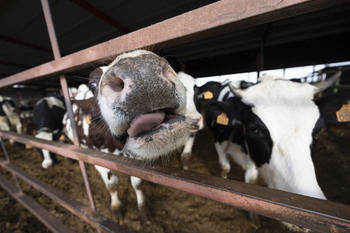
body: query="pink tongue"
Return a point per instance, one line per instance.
(145, 122)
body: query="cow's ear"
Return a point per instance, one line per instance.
(87, 105)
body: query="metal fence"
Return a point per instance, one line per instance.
(222, 16)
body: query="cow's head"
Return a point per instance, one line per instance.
(279, 119)
(143, 103)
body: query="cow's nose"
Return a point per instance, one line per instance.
(115, 83)
(112, 87)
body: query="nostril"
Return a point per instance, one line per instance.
(117, 84)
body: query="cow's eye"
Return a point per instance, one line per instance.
(92, 86)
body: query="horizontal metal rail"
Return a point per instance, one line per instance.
(315, 214)
(210, 20)
(37, 210)
(86, 213)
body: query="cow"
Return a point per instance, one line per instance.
(143, 102)
(334, 108)
(48, 113)
(91, 136)
(9, 115)
(280, 122)
(228, 138)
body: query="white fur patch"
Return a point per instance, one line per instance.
(83, 92)
(287, 110)
(191, 109)
(52, 101)
(134, 53)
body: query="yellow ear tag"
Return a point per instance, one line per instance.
(222, 119)
(61, 139)
(208, 95)
(88, 119)
(343, 114)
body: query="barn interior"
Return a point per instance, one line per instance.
(318, 37)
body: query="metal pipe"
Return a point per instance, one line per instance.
(37, 210)
(87, 214)
(8, 160)
(63, 81)
(315, 214)
(4, 149)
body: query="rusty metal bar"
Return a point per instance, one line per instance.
(8, 159)
(63, 81)
(82, 166)
(37, 210)
(315, 214)
(4, 149)
(209, 20)
(64, 86)
(87, 214)
(51, 29)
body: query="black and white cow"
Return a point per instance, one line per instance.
(280, 121)
(48, 113)
(9, 115)
(228, 136)
(334, 108)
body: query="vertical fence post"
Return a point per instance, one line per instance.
(63, 81)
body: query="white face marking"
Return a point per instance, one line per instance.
(117, 122)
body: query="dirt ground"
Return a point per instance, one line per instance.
(172, 210)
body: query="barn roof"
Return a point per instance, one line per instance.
(319, 37)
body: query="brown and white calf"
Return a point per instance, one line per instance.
(91, 127)
(93, 134)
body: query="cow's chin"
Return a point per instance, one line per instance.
(160, 140)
